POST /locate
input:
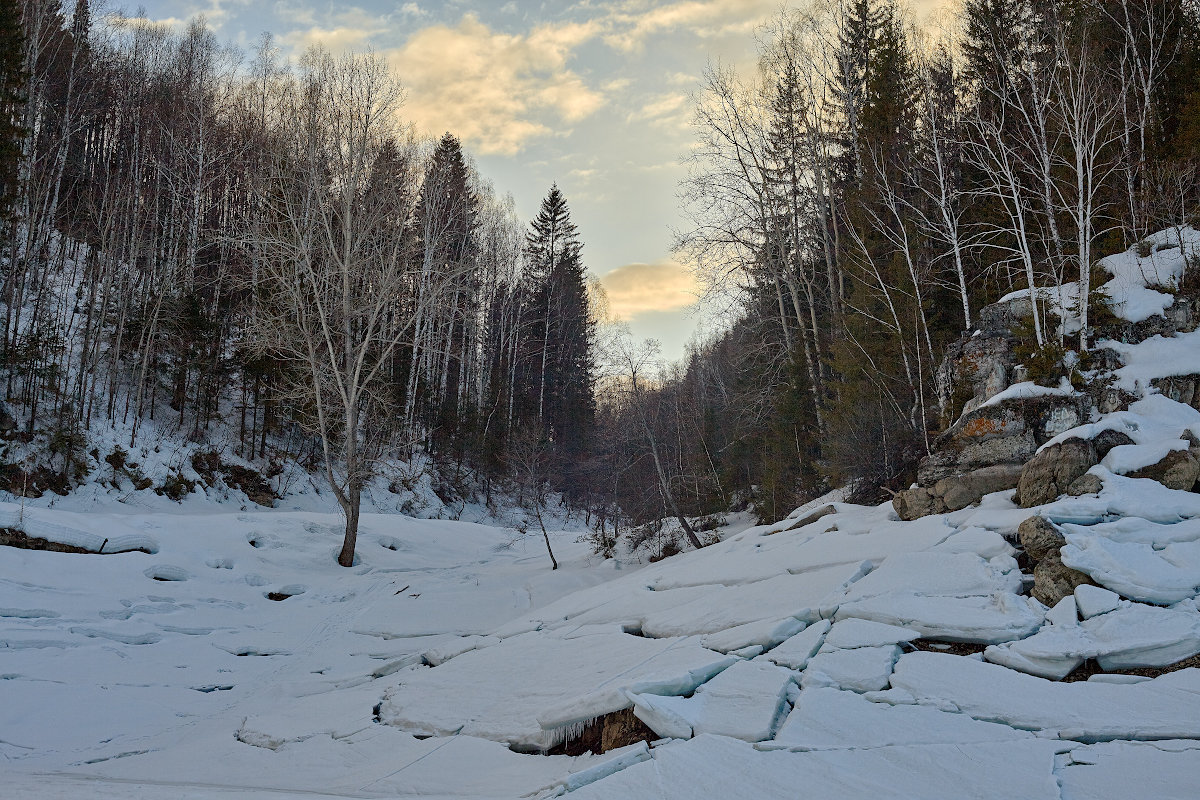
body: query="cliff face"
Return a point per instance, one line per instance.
(1012, 433)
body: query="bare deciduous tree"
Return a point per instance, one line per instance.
(333, 251)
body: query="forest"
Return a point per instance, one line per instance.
(210, 240)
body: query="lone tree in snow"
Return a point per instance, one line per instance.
(340, 285)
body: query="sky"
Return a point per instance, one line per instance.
(595, 95)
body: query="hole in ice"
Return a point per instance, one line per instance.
(633, 629)
(953, 648)
(285, 592)
(604, 733)
(166, 572)
(214, 688)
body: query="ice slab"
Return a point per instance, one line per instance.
(862, 669)
(1140, 572)
(1000, 617)
(1167, 707)
(522, 689)
(745, 701)
(765, 634)
(826, 719)
(784, 595)
(1168, 770)
(937, 574)
(796, 651)
(852, 632)
(1093, 601)
(720, 768)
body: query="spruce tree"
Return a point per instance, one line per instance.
(558, 360)
(12, 81)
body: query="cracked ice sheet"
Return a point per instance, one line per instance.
(1168, 770)
(1001, 617)
(754, 556)
(1134, 635)
(1134, 530)
(952, 596)
(1164, 708)
(721, 768)
(509, 691)
(938, 574)
(745, 702)
(827, 719)
(786, 595)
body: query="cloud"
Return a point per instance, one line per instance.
(495, 90)
(636, 289)
(336, 40)
(704, 18)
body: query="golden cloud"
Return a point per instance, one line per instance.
(702, 18)
(639, 288)
(495, 90)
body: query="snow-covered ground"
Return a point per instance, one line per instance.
(442, 663)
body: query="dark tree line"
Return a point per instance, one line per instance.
(867, 190)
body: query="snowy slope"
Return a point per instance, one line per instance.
(197, 685)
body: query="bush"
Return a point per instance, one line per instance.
(176, 487)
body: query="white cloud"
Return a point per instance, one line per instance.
(495, 90)
(641, 288)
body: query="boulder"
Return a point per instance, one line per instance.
(1052, 471)
(1179, 469)
(1180, 388)
(1087, 483)
(1039, 538)
(1003, 433)
(961, 491)
(915, 503)
(1108, 439)
(1052, 580)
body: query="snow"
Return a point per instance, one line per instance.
(1130, 291)
(1028, 390)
